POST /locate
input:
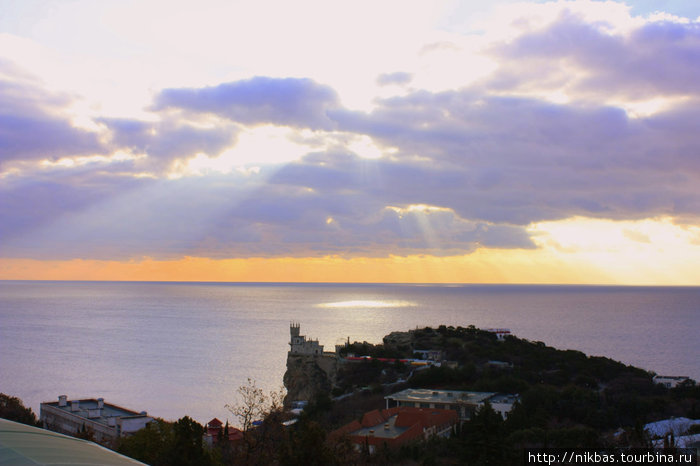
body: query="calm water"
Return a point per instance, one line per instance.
(177, 349)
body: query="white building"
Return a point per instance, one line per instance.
(300, 345)
(465, 403)
(106, 422)
(501, 333)
(670, 381)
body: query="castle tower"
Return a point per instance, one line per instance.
(300, 345)
(296, 341)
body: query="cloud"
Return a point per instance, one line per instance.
(522, 160)
(485, 168)
(33, 204)
(35, 126)
(297, 102)
(461, 169)
(636, 236)
(659, 58)
(100, 215)
(399, 78)
(66, 215)
(33, 122)
(168, 140)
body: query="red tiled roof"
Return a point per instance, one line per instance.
(390, 412)
(414, 419)
(415, 432)
(373, 418)
(425, 417)
(215, 423)
(346, 429)
(235, 434)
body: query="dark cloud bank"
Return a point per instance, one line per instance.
(492, 164)
(290, 102)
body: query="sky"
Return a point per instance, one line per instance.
(394, 141)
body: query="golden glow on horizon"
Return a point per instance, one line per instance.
(576, 251)
(634, 252)
(481, 267)
(595, 235)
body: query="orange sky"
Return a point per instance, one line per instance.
(476, 268)
(578, 251)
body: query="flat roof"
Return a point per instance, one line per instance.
(24, 445)
(87, 405)
(425, 395)
(387, 430)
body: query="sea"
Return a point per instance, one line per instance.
(176, 349)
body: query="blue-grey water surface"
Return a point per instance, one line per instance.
(176, 349)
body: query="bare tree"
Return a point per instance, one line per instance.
(254, 405)
(260, 417)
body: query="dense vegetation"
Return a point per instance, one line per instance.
(567, 399)
(168, 443)
(13, 408)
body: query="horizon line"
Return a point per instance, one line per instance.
(299, 283)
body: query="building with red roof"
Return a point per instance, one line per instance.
(215, 424)
(398, 426)
(215, 430)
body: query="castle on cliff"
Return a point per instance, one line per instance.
(310, 370)
(300, 345)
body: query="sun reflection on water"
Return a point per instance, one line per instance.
(367, 303)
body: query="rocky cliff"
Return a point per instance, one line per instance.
(308, 375)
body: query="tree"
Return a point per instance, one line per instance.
(13, 409)
(163, 443)
(188, 448)
(484, 437)
(151, 444)
(306, 445)
(260, 417)
(254, 405)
